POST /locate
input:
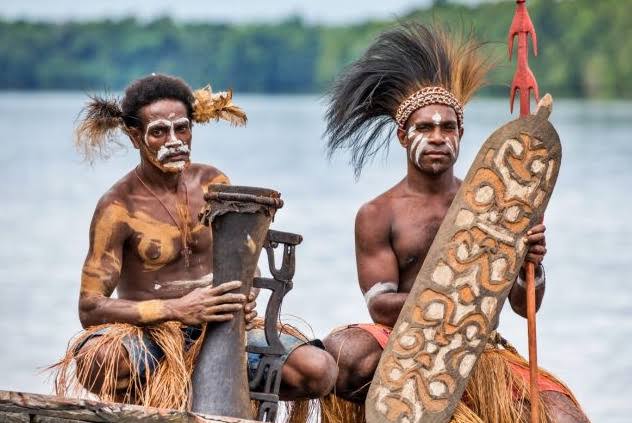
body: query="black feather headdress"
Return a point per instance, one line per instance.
(364, 100)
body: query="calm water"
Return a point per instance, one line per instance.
(48, 196)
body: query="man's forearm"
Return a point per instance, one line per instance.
(385, 308)
(518, 293)
(97, 310)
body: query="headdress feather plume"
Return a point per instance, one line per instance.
(102, 118)
(98, 128)
(215, 106)
(364, 100)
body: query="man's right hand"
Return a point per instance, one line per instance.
(208, 304)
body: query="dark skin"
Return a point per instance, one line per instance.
(393, 234)
(136, 248)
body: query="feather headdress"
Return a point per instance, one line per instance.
(403, 67)
(215, 106)
(102, 118)
(98, 128)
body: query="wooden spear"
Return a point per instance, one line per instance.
(524, 81)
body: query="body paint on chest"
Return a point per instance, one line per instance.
(180, 285)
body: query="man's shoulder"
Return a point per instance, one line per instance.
(380, 205)
(117, 195)
(375, 213)
(208, 174)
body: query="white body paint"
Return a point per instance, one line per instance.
(378, 289)
(539, 280)
(205, 280)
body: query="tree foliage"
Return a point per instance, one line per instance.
(583, 49)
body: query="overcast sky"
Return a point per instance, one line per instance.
(330, 11)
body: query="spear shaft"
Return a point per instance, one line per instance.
(524, 81)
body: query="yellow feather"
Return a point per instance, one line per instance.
(215, 106)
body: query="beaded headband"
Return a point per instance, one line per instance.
(425, 97)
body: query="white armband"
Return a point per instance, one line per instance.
(539, 280)
(379, 288)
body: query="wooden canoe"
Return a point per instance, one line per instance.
(19, 407)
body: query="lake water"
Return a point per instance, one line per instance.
(48, 196)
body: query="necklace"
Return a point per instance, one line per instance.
(183, 214)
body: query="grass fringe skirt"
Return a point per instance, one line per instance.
(494, 394)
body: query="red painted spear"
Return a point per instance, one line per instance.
(524, 81)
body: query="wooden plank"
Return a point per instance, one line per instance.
(466, 276)
(48, 419)
(81, 410)
(14, 418)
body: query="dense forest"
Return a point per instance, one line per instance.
(585, 49)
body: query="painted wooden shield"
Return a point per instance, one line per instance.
(467, 275)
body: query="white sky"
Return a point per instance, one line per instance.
(330, 11)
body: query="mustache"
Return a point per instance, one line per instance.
(165, 152)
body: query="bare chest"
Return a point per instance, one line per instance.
(412, 234)
(159, 238)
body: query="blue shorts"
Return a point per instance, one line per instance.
(145, 357)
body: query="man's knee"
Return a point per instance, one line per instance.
(321, 371)
(357, 355)
(562, 409)
(311, 371)
(93, 362)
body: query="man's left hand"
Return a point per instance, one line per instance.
(536, 244)
(249, 308)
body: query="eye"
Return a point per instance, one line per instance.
(157, 131)
(181, 128)
(450, 126)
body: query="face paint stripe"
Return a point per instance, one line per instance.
(436, 119)
(417, 147)
(169, 123)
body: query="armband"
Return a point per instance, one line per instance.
(379, 288)
(539, 280)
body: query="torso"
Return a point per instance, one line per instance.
(414, 222)
(153, 260)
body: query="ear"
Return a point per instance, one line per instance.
(461, 131)
(134, 135)
(402, 136)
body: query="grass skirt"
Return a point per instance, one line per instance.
(494, 394)
(168, 386)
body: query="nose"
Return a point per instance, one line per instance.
(436, 137)
(173, 141)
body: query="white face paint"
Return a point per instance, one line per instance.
(436, 119)
(453, 146)
(171, 124)
(418, 142)
(173, 146)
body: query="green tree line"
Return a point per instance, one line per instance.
(584, 49)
